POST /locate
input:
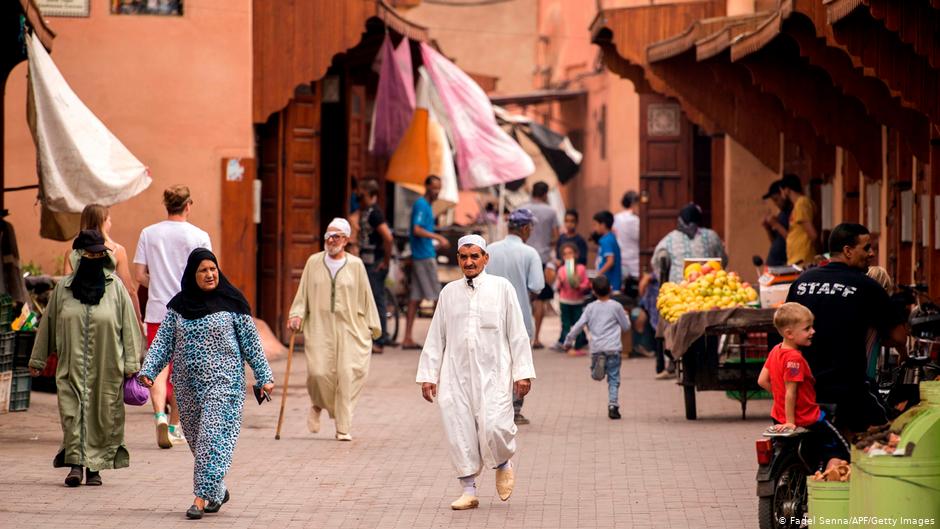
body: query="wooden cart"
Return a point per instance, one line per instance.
(718, 352)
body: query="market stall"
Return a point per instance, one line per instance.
(712, 328)
(719, 350)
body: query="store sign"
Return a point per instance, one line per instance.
(64, 8)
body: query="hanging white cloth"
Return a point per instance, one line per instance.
(80, 161)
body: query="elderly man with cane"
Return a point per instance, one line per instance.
(335, 309)
(476, 355)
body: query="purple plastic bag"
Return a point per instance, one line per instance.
(134, 393)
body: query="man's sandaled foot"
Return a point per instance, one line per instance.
(74, 478)
(464, 502)
(313, 419)
(505, 481)
(412, 346)
(343, 437)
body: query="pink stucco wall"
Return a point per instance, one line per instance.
(175, 90)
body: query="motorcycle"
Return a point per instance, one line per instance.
(784, 463)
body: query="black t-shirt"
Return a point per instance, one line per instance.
(847, 304)
(371, 248)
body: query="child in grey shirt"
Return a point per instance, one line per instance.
(606, 321)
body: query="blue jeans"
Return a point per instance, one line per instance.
(612, 368)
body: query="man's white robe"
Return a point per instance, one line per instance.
(476, 348)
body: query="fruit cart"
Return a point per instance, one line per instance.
(719, 350)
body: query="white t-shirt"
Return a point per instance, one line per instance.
(627, 230)
(164, 248)
(334, 264)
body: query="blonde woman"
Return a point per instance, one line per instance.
(96, 217)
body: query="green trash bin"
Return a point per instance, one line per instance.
(902, 488)
(828, 504)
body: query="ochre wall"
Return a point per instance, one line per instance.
(747, 179)
(494, 39)
(175, 90)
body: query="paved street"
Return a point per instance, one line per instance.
(575, 467)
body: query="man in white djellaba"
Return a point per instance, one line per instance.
(476, 354)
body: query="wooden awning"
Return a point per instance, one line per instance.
(801, 71)
(295, 42)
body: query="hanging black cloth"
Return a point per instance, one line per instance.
(88, 282)
(194, 303)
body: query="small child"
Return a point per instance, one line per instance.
(571, 236)
(787, 376)
(606, 321)
(573, 287)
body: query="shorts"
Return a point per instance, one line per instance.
(424, 281)
(547, 293)
(152, 329)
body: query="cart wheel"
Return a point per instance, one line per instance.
(689, 402)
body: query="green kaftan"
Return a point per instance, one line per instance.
(97, 346)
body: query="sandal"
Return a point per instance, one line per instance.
(412, 346)
(92, 478)
(74, 478)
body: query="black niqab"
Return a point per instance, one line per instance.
(194, 303)
(88, 281)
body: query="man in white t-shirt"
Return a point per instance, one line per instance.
(162, 251)
(627, 230)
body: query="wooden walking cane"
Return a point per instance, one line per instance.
(290, 355)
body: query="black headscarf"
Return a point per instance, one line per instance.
(193, 302)
(88, 281)
(690, 218)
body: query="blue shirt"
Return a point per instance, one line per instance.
(521, 265)
(608, 246)
(422, 215)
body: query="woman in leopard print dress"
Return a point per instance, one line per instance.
(209, 334)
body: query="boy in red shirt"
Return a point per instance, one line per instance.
(787, 376)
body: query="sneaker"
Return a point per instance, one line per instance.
(163, 431)
(577, 352)
(176, 434)
(559, 347)
(665, 375)
(520, 419)
(613, 412)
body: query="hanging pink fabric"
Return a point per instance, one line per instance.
(394, 99)
(486, 155)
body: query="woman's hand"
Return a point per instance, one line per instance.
(268, 388)
(145, 381)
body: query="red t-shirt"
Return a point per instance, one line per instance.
(788, 365)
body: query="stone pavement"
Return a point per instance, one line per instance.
(575, 467)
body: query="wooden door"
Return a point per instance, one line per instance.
(289, 149)
(665, 169)
(270, 232)
(357, 137)
(301, 197)
(239, 235)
